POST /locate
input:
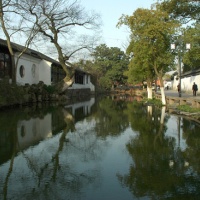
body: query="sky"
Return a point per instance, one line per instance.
(111, 11)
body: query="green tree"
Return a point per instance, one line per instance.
(183, 10)
(110, 64)
(151, 31)
(187, 12)
(140, 69)
(191, 58)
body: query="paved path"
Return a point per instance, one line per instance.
(173, 93)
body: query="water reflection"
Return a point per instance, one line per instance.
(108, 149)
(161, 166)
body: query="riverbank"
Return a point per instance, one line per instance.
(187, 105)
(174, 93)
(12, 95)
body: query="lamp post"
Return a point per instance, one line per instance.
(179, 47)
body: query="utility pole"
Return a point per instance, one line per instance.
(178, 45)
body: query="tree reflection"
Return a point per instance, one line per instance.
(151, 174)
(111, 119)
(69, 162)
(49, 174)
(191, 132)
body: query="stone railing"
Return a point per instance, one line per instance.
(170, 100)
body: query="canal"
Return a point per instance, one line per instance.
(105, 149)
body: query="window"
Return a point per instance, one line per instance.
(5, 65)
(57, 73)
(22, 71)
(33, 69)
(78, 78)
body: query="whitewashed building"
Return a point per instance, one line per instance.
(34, 67)
(32, 70)
(82, 81)
(187, 80)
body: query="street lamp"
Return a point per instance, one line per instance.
(179, 47)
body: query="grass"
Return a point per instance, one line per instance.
(187, 108)
(153, 101)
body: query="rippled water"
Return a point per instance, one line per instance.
(109, 149)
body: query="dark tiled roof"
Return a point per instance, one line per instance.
(37, 54)
(192, 72)
(81, 70)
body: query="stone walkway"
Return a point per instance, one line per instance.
(173, 93)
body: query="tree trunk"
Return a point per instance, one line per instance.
(162, 90)
(64, 84)
(163, 95)
(149, 90)
(14, 70)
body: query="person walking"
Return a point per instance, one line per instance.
(194, 88)
(178, 87)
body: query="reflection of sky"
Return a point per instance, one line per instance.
(85, 159)
(172, 131)
(111, 157)
(79, 158)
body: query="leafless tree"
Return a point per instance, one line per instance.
(12, 23)
(61, 22)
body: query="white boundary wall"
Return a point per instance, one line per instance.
(187, 82)
(86, 84)
(35, 70)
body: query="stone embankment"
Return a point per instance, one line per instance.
(172, 98)
(173, 101)
(14, 95)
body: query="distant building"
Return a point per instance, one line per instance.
(169, 80)
(188, 78)
(34, 67)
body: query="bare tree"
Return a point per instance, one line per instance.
(59, 21)
(10, 27)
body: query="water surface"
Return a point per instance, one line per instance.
(109, 149)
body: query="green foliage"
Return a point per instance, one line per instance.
(187, 108)
(105, 82)
(50, 89)
(10, 94)
(183, 10)
(156, 102)
(109, 66)
(191, 58)
(186, 11)
(151, 32)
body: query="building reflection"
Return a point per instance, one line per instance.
(40, 159)
(30, 132)
(80, 110)
(39, 125)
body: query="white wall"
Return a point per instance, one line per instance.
(27, 62)
(86, 84)
(35, 70)
(45, 72)
(187, 82)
